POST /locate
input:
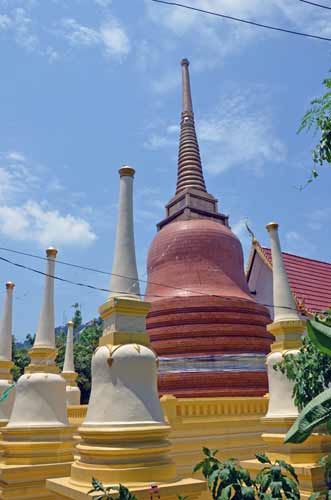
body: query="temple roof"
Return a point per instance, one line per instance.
(310, 279)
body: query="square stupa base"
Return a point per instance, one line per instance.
(28, 482)
(63, 489)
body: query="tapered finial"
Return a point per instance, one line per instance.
(45, 336)
(284, 305)
(190, 173)
(68, 365)
(6, 324)
(124, 281)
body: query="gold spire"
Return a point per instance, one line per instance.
(190, 173)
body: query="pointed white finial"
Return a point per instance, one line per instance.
(68, 365)
(284, 305)
(6, 324)
(124, 281)
(45, 336)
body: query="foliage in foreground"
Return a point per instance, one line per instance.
(227, 480)
(309, 370)
(317, 411)
(318, 119)
(108, 493)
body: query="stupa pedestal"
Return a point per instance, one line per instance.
(287, 329)
(37, 442)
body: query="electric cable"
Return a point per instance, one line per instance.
(245, 21)
(93, 287)
(316, 4)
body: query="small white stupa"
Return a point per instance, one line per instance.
(6, 364)
(68, 372)
(287, 327)
(37, 440)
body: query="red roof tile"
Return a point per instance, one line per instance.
(310, 280)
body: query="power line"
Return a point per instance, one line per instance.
(316, 4)
(86, 285)
(245, 21)
(106, 273)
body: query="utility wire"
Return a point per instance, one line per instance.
(107, 273)
(86, 285)
(245, 21)
(316, 4)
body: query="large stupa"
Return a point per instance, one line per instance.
(205, 325)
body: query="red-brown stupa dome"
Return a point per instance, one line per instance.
(204, 324)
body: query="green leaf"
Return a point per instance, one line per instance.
(317, 412)
(289, 468)
(6, 393)
(226, 492)
(248, 493)
(262, 458)
(320, 335)
(276, 488)
(265, 482)
(214, 475)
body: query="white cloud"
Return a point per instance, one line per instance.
(215, 38)
(5, 22)
(78, 34)
(235, 135)
(15, 178)
(23, 214)
(15, 156)
(239, 135)
(296, 243)
(156, 142)
(115, 39)
(110, 36)
(20, 24)
(32, 222)
(103, 3)
(166, 83)
(318, 218)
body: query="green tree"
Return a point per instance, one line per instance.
(21, 358)
(318, 410)
(318, 119)
(77, 318)
(309, 370)
(84, 348)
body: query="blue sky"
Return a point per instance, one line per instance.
(89, 85)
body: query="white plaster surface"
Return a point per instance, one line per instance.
(7, 405)
(6, 327)
(73, 395)
(68, 365)
(45, 333)
(125, 323)
(124, 264)
(280, 389)
(40, 401)
(124, 393)
(284, 305)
